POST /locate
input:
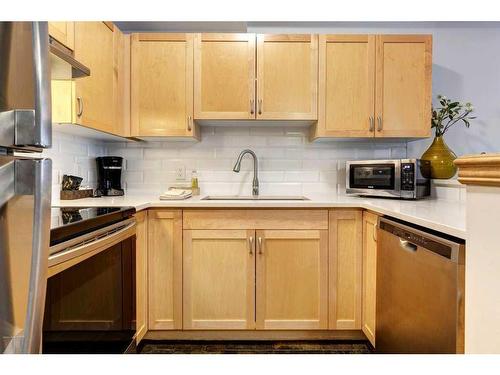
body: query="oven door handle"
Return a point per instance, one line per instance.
(94, 245)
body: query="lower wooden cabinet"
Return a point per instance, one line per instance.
(369, 274)
(292, 279)
(219, 279)
(141, 274)
(345, 263)
(165, 269)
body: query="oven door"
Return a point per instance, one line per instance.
(90, 303)
(381, 178)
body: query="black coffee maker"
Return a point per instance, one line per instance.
(109, 176)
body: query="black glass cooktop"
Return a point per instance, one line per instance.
(70, 222)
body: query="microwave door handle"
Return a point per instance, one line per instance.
(33, 177)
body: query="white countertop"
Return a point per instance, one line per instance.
(441, 215)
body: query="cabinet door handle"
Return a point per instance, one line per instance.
(79, 101)
(260, 245)
(372, 124)
(252, 105)
(379, 123)
(189, 123)
(250, 240)
(260, 106)
(374, 234)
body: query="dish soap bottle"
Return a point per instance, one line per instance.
(194, 183)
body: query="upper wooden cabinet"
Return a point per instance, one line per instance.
(162, 85)
(403, 85)
(94, 47)
(264, 77)
(374, 86)
(292, 279)
(347, 85)
(63, 32)
(287, 77)
(224, 76)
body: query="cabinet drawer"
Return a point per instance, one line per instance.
(255, 219)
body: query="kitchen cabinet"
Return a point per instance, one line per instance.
(370, 221)
(162, 85)
(224, 76)
(292, 279)
(345, 268)
(255, 269)
(374, 86)
(164, 269)
(403, 85)
(219, 279)
(346, 86)
(63, 32)
(141, 274)
(94, 95)
(287, 77)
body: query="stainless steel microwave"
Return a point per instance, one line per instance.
(398, 178)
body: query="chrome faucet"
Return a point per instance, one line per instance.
(237, 166)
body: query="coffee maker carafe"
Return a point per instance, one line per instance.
(109, 176)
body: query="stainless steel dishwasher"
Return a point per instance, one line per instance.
(420, 290)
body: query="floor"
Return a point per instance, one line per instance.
(253, 347)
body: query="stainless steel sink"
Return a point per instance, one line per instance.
(254, 198)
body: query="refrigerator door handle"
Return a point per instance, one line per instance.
(33, 177)
(34, 127)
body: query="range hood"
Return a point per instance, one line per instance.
(63, 64)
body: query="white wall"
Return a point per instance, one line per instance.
(466, 66)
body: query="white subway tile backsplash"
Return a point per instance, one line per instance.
(288, 162)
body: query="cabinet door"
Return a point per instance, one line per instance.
(369, 274)
(292, 279)
(403, 85)
(219, 279)
(346, 86)
(345, 261)
(165, 269)
(224, 76)
(162, 85)
(95, 94)
(287, 77)
(63, 32)
(141, 274)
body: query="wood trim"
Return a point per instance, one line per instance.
(286, 37)
(141, 272)
(256, 335)
(110, 25)
(214, 37)
(158, 37)
(289, 219)
(482, 170)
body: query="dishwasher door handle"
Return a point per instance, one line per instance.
(408, 246)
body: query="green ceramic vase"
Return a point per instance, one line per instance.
(441, 158)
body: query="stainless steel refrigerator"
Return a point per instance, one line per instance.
(25, 183)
